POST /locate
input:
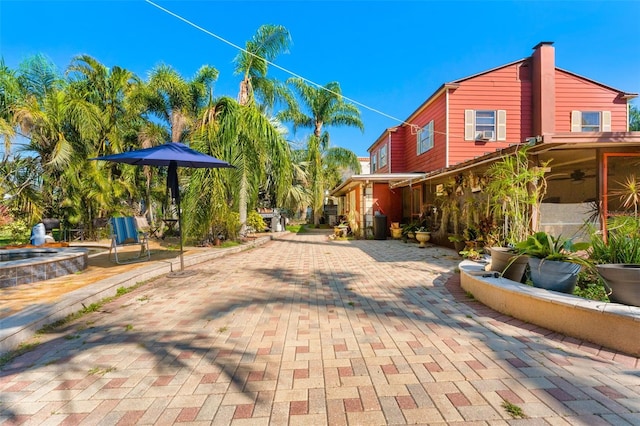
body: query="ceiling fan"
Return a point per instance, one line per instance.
(577, 176)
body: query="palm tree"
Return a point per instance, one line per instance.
(9, 97)
(109, 90)
(325, 106)
(258, 140)
(58, 121)
(268, 42)
(176, 102)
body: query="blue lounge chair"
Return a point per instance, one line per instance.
(124, 233)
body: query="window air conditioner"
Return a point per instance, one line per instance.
(485, 135)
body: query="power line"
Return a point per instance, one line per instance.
(186, 21)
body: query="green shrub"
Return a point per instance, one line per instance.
(256, 221)
(16, 232)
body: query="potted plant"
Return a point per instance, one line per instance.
(396, 230)
(409, 230)
(423, 235)
(554, 261)
(515, 191)
(617, 259)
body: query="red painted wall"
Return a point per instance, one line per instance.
(574, 93)
(435, 158)
(389, 201)
(508, 89)
(398, 163)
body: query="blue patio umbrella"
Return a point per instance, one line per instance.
(171, 155)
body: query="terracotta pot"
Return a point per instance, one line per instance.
(624, 282)
(396, 233)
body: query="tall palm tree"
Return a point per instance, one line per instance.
(58, 122)
(268, 42)
(325, 107)
(258, 140)
(174, 100)
(103, 184)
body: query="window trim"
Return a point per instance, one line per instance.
(374, 161)
(383, 158)
(421, 147)
(499, 125)
(604, 121)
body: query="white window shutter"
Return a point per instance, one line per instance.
(606, 121)
(502, 125)
(469, 124)
(576, 121)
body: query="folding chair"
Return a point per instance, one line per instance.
(125, 233)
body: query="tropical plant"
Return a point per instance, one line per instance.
(267, 43)
(325, 106)
(255, 221)
(260, 144)
(545, 246)
(622, 242)
(629, 193)
(515, 191)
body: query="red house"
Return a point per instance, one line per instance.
(577, 123)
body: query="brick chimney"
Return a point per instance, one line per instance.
(543, 88)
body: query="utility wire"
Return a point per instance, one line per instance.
(186, 21)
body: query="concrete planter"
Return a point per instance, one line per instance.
(554, 275)
(624, 282)
(501, 257)
(423, 237)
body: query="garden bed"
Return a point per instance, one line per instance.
(611, 325)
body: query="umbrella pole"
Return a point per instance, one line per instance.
(180, 230)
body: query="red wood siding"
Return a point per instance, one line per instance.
(574, 93)
(435, 158)
(397, 151)
(508, 89)
(388, 201)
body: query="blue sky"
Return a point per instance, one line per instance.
(388, 55)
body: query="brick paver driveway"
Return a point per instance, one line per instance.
(309, 331)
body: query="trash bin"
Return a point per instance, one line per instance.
(380, 227)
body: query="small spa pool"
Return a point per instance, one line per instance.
(24, 266)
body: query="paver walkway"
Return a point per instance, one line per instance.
(307, 331)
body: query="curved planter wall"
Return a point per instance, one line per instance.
(611, 325)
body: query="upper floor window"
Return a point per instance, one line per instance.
(485, 125)
(374, 161)
(590, 121)
(425, 138)
(383, 155)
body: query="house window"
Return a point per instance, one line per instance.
(383, 156)
(590, 121)
(374, 161)
(485, 125)
(425, 138)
